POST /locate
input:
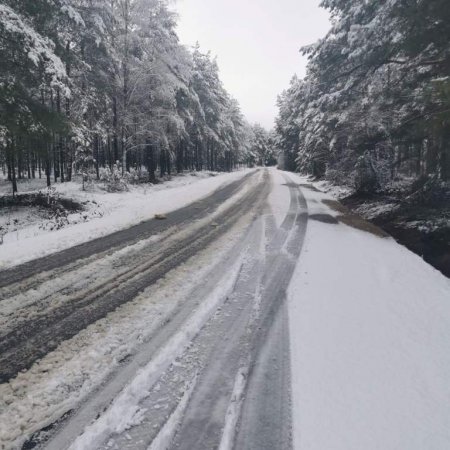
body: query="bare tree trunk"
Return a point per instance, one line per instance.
(126, 18)
(48, 167)
(60, 138)
(162, 162)
(444, 158)
(150, 162)
(12, 166)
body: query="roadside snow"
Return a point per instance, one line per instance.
(370, 339)
(331, 189)
(117, 210)
(372, 210)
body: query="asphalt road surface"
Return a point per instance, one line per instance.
(217, 372)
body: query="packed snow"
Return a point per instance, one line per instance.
(65, 377)
(123, 409)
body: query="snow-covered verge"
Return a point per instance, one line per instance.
(370, 333)
(33, 235)
(416, 217)
(334, 190)
(391, 200)
(367, 209)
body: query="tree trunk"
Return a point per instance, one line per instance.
(162, 162)
(444, 158)
(48, 167)
(168, 163)
(96, 149)
(150, 162)
(13, 168)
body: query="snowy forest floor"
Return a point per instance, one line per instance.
(41, 221)
(422, 226)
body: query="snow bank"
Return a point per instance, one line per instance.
(370, 331)
(118, 210)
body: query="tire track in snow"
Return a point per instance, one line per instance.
(117, 240)
(232, 344)
(34, 339)
(249, 347)
(265, 421)
(215, 405)
(66, 432)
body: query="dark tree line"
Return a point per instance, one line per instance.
(92, 84)
(375, 102)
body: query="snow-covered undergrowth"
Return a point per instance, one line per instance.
(334, 190)
(373, 210)
(105, 213)
(415, 212)
(370, 333)
(391, 204)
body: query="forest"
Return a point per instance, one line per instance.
(105, 89)
(192, 258)
(372, 117)
(375, 103)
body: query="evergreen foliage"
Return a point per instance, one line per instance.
(92, 84)
(376, 98)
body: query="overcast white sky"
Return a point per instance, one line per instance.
(257, 44)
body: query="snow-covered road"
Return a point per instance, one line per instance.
(262, 316)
